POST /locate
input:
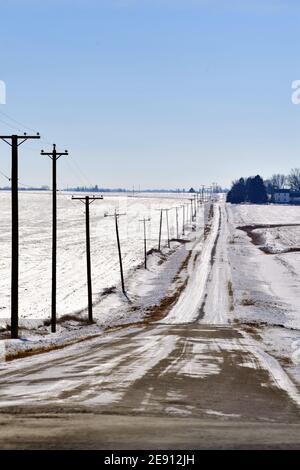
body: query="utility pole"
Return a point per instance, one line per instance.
(177, 232)
(116, 215)
(191, 200)
(168, 231)
(15, 141)
(87, 200)
(195, 206)
(54, 155)
(183, 218)
(145, 239)
(160, 225)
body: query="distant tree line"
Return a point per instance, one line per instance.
(250, 189)
(280, 181)
(27, 188)
(255, 190)
(96, 189)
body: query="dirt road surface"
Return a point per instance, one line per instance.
(192, 381)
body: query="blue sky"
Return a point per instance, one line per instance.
(154, 93)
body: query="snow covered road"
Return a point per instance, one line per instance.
(194, 368)
(165, 369)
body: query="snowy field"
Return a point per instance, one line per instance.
(267, 271)
(35, 246)
(265, 267)
(246, 214)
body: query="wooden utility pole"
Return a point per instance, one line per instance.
(116, 215)
(195, 206)
(160, 225)
(87, 200)
(192, 209)
(145, 240)
(168, 230)
(202, 194)
(54, 155)
(15, 141)
(177, 232)
(183, 218)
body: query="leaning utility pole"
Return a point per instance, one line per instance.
(116, 215)
(87, 200)
(160, 225)
(15, 141)
(54, 155)
(145, 240)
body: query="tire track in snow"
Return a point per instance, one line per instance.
(187, 308)
(269, 363)
(216, 305)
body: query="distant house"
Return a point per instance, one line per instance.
(281, 196)
(286, 196)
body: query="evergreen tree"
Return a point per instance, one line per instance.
(237, 194)
(256, 190)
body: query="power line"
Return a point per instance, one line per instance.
(82, 176)
(10, 125)
(5, 176)
(18, 122)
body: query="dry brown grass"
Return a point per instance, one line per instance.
(230, 293)
(248, 302)
(42, 350)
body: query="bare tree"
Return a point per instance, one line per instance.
(278, 181)
(294, 179)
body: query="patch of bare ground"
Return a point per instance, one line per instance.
(257, 238)
(68, 318)
(252, 330)
(5, 334)
(269, 251)
(207, 230)
(246, 302)
(158, 312)
(48, 348)
(196, 257)
(108, 291)
(230, 294)
(182, 241)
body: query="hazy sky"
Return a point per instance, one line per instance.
(161, 93)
